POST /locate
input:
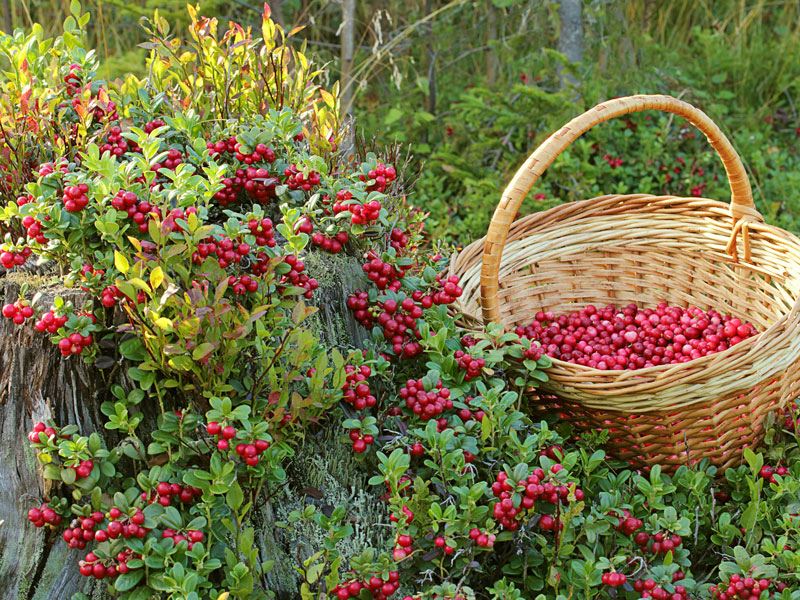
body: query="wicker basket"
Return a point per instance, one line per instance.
(645, 249)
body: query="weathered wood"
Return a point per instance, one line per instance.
(36, 383)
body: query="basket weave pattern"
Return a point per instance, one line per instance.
(646, 249)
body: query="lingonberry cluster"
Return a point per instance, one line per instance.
(768, 472)
(50, 322)
(648, 588)
(226, 250)
(378, 588)
(330, 243)
(360, 214)
(658, 543)
(13, 256)
(448, 291)
(263, 231)
(190, 536)
(18, 312)
(383, 274)
(613, 161)
(380, 177)
(482, 539)
(398, 239)
(74, 343)
(472, 366)
(470, 413)
(140, 212)
(73, 80)
(627, 524)
(222, 433)
(40, 427)
(116, 143)
(426, 403)
(296, 179)
(242, 284)
(75, 198)
(44, 515)
(744, 587)
(92, 566)
(516, 500)
(632, 337)
(173, 158)
(361, 441)
(402, 547)
(613, 579)
(33, 229)
(165, 492)
(356, 390)
(298, 277)
(251, 452)
(81, 531)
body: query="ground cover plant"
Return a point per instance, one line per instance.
(185, 205)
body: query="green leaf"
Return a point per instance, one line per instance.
(234, 497)
(128, 580)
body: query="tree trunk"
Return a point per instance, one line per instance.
(347, 33)
(36, 383)
(570, 39)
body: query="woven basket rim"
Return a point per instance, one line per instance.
(647, 373)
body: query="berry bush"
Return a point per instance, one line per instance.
(185, 208)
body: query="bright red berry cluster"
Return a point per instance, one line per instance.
(297, 180)
(74, 343)
(381, 176)
(263, 231)
(165, 492)
(380, 589)
(18, 312)
(628, 524)
(658, 543)
(298, 277)
(384, 275)
(361, 441)
(81, 531)
(140, 212)
(744, 587)
(115, 142)
(333, 244)
(33, 229)
(190, 536)
(75, 198)
(44, 515)
(50, 322)
(171, 162)
(482, 539)
(634, 338)
(472, 366)
(250, 452)
(223, 434)
(648, 588)
(360, 214)
(10, 257)
(33, 435)
(517, 500)
(356, 390)
(613, 579)
(768, 472)
(226, 250)
(426, 404)
(241, 285)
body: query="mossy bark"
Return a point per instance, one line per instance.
(36, 383)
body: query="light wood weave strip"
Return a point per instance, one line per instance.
(742, 207)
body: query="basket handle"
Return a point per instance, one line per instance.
(742, 208)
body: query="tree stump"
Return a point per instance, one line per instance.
(36, 383)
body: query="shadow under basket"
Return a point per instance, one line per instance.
(645, 249)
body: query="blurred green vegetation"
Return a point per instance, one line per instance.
(471, 87)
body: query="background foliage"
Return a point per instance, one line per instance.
(474, 86)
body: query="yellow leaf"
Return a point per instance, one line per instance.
(328, 98)
(163, 323)
(223, 596)
(156, 278)
(121, 263)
